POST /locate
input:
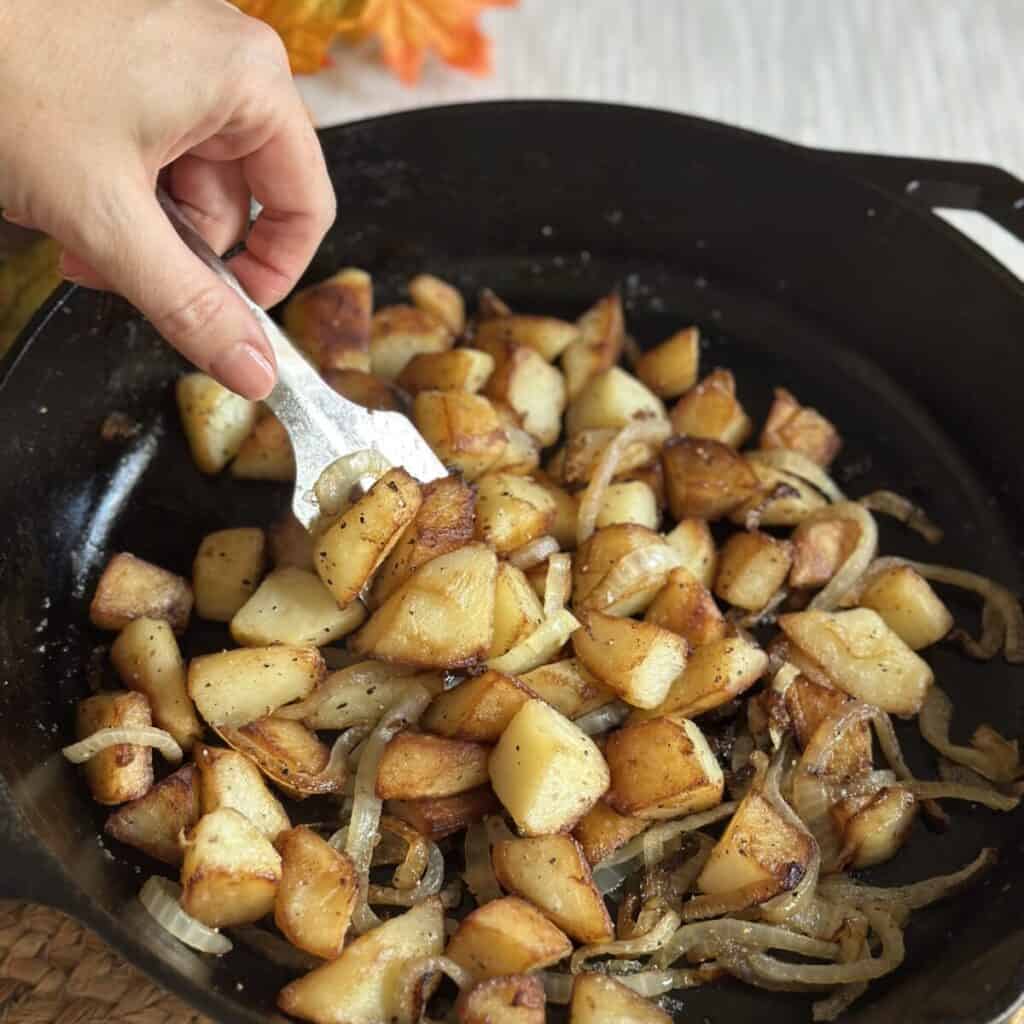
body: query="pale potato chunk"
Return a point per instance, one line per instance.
(820, 547)
(398, 333)
(800, 429)
(602, 830)
(226, 571)
(692, 541)
(629, 501)
(875, 827)
(594, 564)
(154, 822)
(437, 817)
(478, 709)
(530, 386)
(670, 368)
(544, 334)
(511, 511)
(514, 999)
(780, 498)
(517, 609)
(563, 528)
(808, 704)
(711, 410)
(125, 771)
(753, 567)
(909, 606)
(131, 588)
(266, 454)
(602, 334)
(216, 421)
(599, 999)
(440, 299)
(230, 779)
(461, 369)
(521, 454)
(612, 399)
(576, 460)
(415, 765)
(568, 687)
(705, 479)
(463, 429)
(685, 606)
(331, 320)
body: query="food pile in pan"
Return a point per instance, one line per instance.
(602, 715)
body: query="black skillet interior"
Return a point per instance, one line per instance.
(799, 275)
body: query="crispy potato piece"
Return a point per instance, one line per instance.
(506, 936)
(442, 616)
(397, 333)
(692, 541)
(598, 556)
(568, 687)
(292, 606)
(808, 704)
(478, 709)
(521, 454)
(291, 544)
(123, 772)
(216, 421)
(237, 687)
(226, 571)
(440, 299)
(753, 567)
(602, 830)
(602, 334)
(780, 498)
(705, 479)
(662, 768)
(599, 999)
(230, 779)
(361, 985)
(513, 999)
(670, 368)
(908, 605)
(437, 817)
(511, 511)
(367, 390)
(791, 425)
(563, 527)
(230, 871)
(685, 606)
(351, 549)
(638, 660)
(711, 410)
(317, 893)
(546, 335)
(651, 474)
(527, 384)
(463, 429)
(517, 609)
(545, 771)
(874, 827)
(820, 547)
(331, 320)
(579, 456)
(416, 765)
(131, 588)
(154, 822)
(612, 399)
(629, 501)
(461, 369)
(552, 873)
(266, 454)
(862, 656)
(147, 659)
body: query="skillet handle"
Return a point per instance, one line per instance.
(942, 183)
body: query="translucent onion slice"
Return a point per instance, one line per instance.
(417, 856)
(649, 942)
(334, 488)
(479, 873)
(557, 584)
(711, 936)
(650, 984)
(410, 984)
(428, 885)
(137, 736)
(958, 791)
(640, 569)
(161, 898)
(533, 553)
(603, 719)
(364, 673)
(801, 466)
(539, 647)
(889, 503)
(859, 559)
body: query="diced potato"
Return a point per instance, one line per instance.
(442, 616)
(478, 709)
(862, 656)
(800, 429)
(230, 779)
(760, 850)
(397, 333)
(545, 771)
(521, 454)
(463, 429)
(563, 528)
(602, 334)
(530, 386)
(629, 502)
(662, 768)
(266, 454)
(131, 588)
(599, 999)
(597, 558)
(153, 823)
(568, 687)
(753, 568)
(226, 571)
(780, 498)
(506, 936)
(875, 827)
(602, 830)
(440, 299)
(514, 999)
(671, 368)
(705, 479)
(808, 704)
(147, 659)
(292, 606)
(317, 893)
(820, 547)
(444, 522)
(230, 872)
(714, 674)
(638, 660)
(361, 985)
(546, 335)
(685, 606)
(511, 511)
(123, 772)
(416, 765)
(331, 320)
(352, 548)
(552, 874)
(711, 410)
(909, 606)
(291, 544)
(237, 687)
(367, 390)
(651, 474)
(692, 541)
(216, 421)
(437, 817)
(612, 399)
(461, 369)
(517, 610)
(581, 453)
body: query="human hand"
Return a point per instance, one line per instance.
(98, 99)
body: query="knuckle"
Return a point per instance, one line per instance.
(263, 46)
(188, 322)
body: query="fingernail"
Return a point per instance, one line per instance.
(244, 369)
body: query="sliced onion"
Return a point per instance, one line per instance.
(136, 736)
(414, 860)
(764, 614)
(539, 647)
(275, 949)
(641, 569)
(649, 942)
(700, 908)
(858, 560)
(429, 885)
(801, 466)
(161, 898)
(647, 431)
(363, 673)
(893, 753)
(533, 553)
(558, 584)
(479, 873)
(333, 489)
(958, 791)
(889, 503)
(409, 984)
(711, 936)
(650, 984)
(603, 719)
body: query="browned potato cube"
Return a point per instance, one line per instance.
(670, 368)
(515, 999)
(227, 571)
(440, 299)
(602, 334)
(599, 999)
(521, 454)
(576, 460)
(331, 320)
(612, 399)
(629, 501)
(820, 547)
(705, 479)
(685, 606)
(662, 768)
(552, 873)
(568, 687)
(478, 709)
(317, 893)
(692, 542)
(529, 386)
(800, 429)
(780, 499)
(416, 765)
(808, 704)
(596, 560)
(711, 410)
(216, 421)
(874, 827)
(437, 817)
(230, 779)
(506, 936)
(153, 823)
(131, 588)
(602, 830)
(397, 333)
(753, 567)
(366, 389)
(909, 606)
(511, 511)
(461, 369)
(123, 772)
(546, 335)
(517, 609)
(653, 475)
(266, 454)
(291, 544)
(463, 429)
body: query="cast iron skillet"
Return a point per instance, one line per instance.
(824, 272)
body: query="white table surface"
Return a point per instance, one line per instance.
(941, 78)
